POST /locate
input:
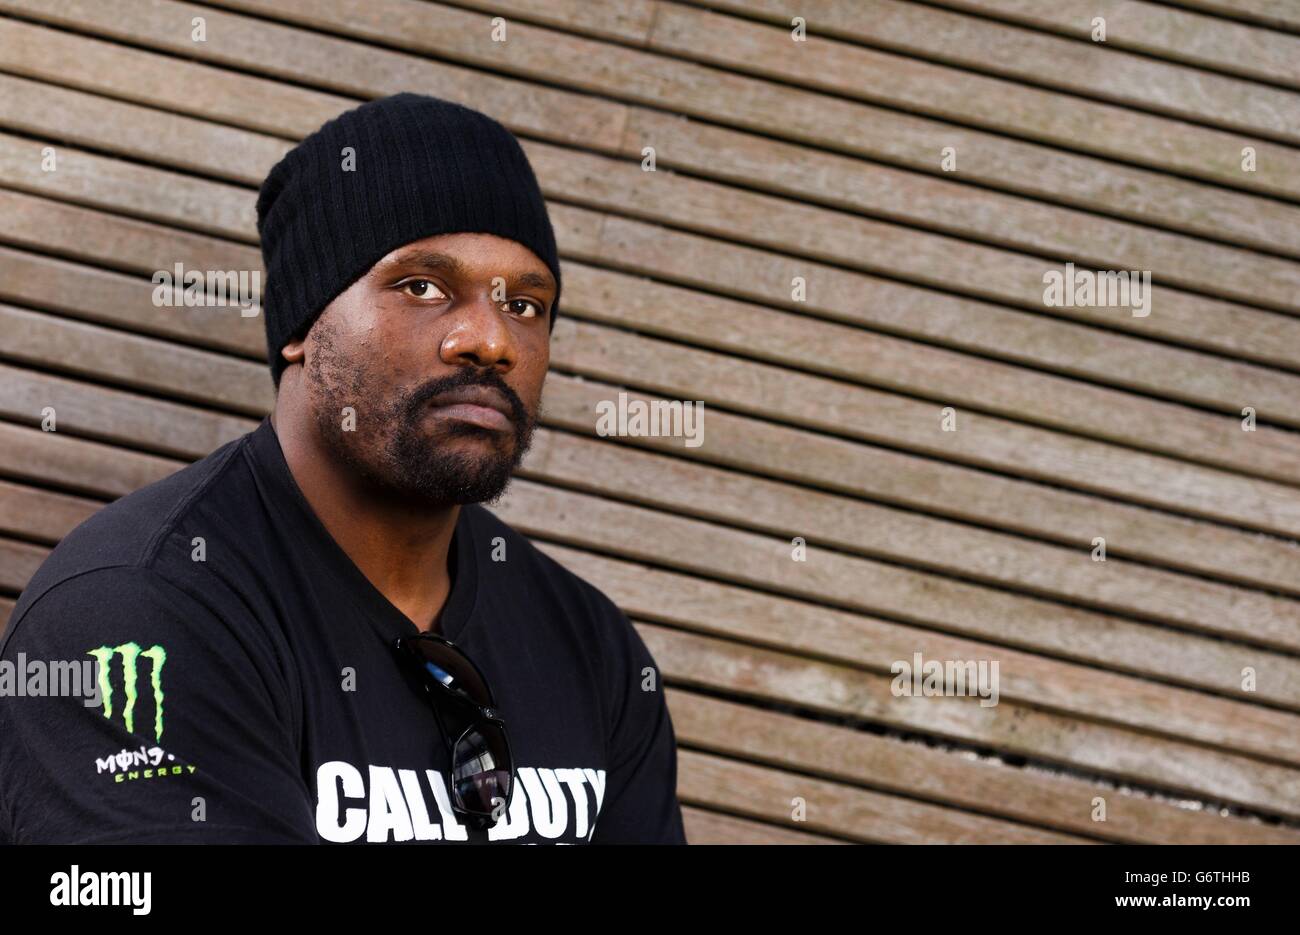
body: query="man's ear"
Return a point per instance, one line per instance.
(294, 351)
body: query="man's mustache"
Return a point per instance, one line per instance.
(420, 397)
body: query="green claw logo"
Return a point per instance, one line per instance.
(131, 653)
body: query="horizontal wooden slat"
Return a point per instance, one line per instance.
(18, 562)
(1273, 13)
(838, 523)
(973, 98)
(728, 155)
(82, 178)
(29, 512)
(1158, 30)
(818, 234)
(747, 273)
(625, 20)
(553, 114)
(126, 244)
(914, 769)
(857, 814)
(705, 827)
(718, 665)
(1090, 69)
(748, 330)
(135, 361)
(77, 118)
(863, 641)
(85, 292)
(77, 465)
(122, 418)
(687, 87)
(860, 470)
(857, 412)
(859, 585)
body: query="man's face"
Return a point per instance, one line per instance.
(441, 350)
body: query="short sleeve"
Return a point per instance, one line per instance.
(640, 804)
(191, 740)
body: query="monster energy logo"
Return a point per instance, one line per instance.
(131, 653)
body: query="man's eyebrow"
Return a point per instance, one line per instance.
(446, 263)
(441, 262)
(537, 280)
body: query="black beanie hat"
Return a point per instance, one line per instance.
(421, 166)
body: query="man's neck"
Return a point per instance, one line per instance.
(402, 551)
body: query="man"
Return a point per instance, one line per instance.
(316, 633)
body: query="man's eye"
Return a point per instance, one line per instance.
(531, 309)
(421, 288)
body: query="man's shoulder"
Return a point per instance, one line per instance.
(125, 539)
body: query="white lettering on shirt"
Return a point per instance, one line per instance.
(383, 804)
(328, 825)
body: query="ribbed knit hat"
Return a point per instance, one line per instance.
(420, 166)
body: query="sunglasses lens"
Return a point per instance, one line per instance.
(481, 770)
(452, 669)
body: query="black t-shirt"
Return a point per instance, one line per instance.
(251, 693)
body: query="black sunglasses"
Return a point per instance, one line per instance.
(482, 769)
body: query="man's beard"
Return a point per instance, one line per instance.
(396, 452)
(422, 464)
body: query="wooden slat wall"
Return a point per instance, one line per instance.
(775, 159)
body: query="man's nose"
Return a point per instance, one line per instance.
(479, 336)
